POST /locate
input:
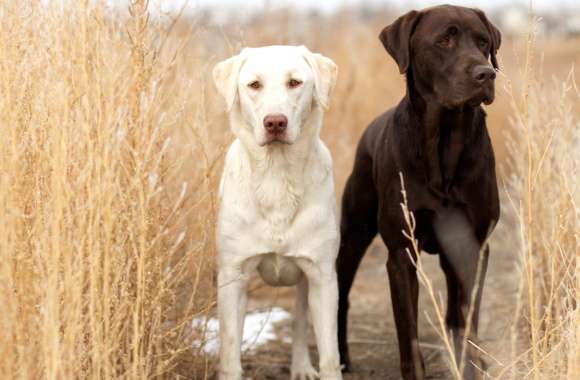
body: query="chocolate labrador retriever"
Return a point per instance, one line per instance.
(437, 138)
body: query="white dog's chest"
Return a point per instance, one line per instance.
(276, 198)
(275, 210)
(266, 224)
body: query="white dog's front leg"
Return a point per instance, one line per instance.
(301, 365)
(323, 301)
(232, 298)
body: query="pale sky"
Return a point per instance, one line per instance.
(329, 5)
(247, 7)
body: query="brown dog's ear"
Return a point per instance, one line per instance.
(495, 37)
(396, 38)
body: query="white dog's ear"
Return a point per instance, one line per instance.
(325, 74)
(225, 76)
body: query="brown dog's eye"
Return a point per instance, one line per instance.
(482, 43)
(444, 41)
(255, 85)
(447, 39)
(293, 83)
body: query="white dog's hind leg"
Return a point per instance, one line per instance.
(301, 365)
(323, 301)
(232, 287)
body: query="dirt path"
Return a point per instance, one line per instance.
(372, 334)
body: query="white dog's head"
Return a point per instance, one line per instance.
(276, 89)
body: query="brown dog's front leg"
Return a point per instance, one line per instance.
(404, 296)
(464, 264)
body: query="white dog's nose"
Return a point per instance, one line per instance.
(275, 124)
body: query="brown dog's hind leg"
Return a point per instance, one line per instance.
(404, 296)
(358, 228)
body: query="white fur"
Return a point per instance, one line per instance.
(277, 212)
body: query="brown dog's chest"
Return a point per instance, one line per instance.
(450, 146)
(443, 140)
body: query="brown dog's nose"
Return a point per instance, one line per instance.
(275, 123)
(483, 73)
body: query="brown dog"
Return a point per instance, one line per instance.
(437, 138)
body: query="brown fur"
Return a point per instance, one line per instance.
(437, 138)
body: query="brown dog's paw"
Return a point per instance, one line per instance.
(345, 364)
(346, 367)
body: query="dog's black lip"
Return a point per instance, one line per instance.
(474, 102)
(277, 140)
(479, 99)
(488, 100)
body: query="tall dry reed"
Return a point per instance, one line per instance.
(105, 258)
(543, 193)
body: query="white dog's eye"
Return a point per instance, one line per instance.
(255, 85)
(293, 83)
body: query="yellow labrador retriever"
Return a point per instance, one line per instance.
(277, 207)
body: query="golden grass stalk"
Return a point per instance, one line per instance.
(103, 264)
(456, 364)
(544, 197)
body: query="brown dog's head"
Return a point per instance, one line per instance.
(446, 52)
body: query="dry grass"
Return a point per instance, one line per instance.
(110, 157)
(106, 238)
(544, 191)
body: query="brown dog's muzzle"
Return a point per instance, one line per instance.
(483, 79)
(483, 73)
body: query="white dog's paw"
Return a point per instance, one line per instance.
(304, 372)
(230, 375)
(331, 375)
(226, 377)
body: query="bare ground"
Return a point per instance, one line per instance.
(372, 334)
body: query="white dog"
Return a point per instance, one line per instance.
(278, 212)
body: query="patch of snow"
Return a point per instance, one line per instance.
(258, 330)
